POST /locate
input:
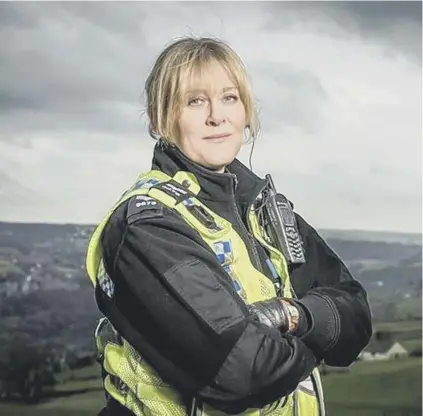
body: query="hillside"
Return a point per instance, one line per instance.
(47, 307)
(375, 236)
(44, 289)
(380, 389)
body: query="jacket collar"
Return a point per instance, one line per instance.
(237, 181)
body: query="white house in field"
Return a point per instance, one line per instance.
(383, 349)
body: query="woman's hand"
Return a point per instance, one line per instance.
(276, 313)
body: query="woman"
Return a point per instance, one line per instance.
(204, 315)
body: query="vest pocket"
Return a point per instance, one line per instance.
(283, 408)
(144, 391)
(159, 400)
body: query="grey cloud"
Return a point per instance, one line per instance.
(80, 66)
(373, 14)
(120, 18)
(114, 17)
(289, 96)
(11, 15)
(395, 24)
(64, 66)
(69, 69)
(13, 192)
(378, 180)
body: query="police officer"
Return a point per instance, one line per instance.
(203, 313)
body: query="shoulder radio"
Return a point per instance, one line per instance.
(281, 224)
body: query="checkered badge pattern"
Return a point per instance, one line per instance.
(224, 254)
(142, 183)
(145, 183)
(223, 250)
(105, 281)
(188, 202)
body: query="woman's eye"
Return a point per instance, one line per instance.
(230, 98)
(195, 101)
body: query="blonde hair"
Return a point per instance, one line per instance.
(175, 67)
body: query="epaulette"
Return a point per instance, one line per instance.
(143, 206)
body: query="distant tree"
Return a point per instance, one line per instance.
(390, 311)
(10, 271)
(416, 352)
(26, 369)
(418, 287)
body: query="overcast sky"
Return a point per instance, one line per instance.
(338, 87)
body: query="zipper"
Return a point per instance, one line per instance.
(257, 263)
(278, 281)
(249, 237)
(250, 243)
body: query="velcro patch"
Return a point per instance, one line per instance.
(143, 206)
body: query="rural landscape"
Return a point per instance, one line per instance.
(47, 355)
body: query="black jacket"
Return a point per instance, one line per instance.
(176, 305)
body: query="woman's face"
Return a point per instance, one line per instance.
(212, 122)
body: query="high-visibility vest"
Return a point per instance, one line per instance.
(132, 381)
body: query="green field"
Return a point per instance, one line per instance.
(410, 307)
(79, 393)
(408, 333)
(391, 388)
(386, 388)
(410, 326)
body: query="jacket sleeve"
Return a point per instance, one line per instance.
(176, 305)
(337, 303)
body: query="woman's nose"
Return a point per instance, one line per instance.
(214, 121)
(216, 116)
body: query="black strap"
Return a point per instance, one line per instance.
(181, 194)
(174, 190)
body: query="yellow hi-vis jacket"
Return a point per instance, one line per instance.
(130, 379)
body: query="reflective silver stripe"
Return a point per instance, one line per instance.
(196, 409)
(307, 386)
(101, 322)
(295, 400)
(193, 408)
(319, 393)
